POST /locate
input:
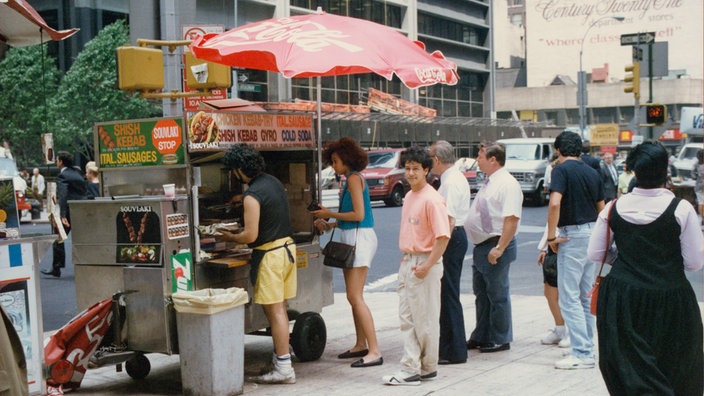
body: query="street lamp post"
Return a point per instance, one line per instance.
(582, 77)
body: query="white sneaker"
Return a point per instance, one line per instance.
(402, 378)
(572, 362)
(551, 338)
(564, 343)
(276, 376)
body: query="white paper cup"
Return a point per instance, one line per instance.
(169, 190)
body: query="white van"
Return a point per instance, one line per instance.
(526, 160)
(686, 159)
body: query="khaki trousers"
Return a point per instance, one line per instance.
(419, 314)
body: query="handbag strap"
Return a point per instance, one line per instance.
(339, 208)
(608, 236)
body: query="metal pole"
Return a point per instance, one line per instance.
(320, 137)
(650, 83)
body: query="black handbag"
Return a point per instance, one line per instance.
(338, 254)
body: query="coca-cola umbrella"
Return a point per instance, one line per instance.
(320, 44)
(21, 25)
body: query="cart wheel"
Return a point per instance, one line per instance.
(138, 367)
(309, 337)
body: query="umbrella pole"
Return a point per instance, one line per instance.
(320, 141)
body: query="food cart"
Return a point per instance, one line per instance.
(149, 245)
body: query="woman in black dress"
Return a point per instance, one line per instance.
(648, 320)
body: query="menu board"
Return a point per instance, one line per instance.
(212, 131)
(140, 143)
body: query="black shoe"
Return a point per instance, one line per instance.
(361, 363)
(55, 273)
(447, 361)
(349, 354)
(471, 344)
(494, 347)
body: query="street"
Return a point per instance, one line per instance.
(59, 296)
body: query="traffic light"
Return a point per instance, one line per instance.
(633, 78)
(206, 75)
(655, 114)
(140, 68)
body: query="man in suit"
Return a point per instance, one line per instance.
(70, 185)
(609, 177)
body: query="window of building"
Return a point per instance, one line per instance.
(376, 11)
(439, 27)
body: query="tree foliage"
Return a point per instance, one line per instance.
(88, 93)
(28, 77)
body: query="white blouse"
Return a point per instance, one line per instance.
(644, 206)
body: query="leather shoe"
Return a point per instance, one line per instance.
(349, 354)
(55, 273)
(447, 361)
(361, 363)
(471, 344)
(494, 347)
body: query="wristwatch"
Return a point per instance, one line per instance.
(499, 248)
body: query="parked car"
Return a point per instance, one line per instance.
(386, 178)
(685, 161)
(25, 205)
(469, 167)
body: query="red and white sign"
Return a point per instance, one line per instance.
(190, 104)
(671, 134)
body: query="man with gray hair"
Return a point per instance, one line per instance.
(455, 190)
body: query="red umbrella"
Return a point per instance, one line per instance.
(326, 45)
(321, 44)
(21, 25)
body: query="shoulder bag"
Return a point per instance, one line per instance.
(594, 292)
(338, 254)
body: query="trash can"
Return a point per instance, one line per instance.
(210, 325)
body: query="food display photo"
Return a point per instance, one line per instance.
(138, 237)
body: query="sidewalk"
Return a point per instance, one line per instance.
(527, 369)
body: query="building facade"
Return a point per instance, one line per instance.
(538, 80)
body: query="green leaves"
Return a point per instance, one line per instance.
(88, 93)
(35, 98)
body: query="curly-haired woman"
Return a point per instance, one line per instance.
(356, 226)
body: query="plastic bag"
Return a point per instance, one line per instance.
(209, 301)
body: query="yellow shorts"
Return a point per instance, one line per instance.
(276, 280)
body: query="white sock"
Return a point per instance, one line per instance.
(561, 330)
(283, 362)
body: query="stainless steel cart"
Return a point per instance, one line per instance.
(137, 241)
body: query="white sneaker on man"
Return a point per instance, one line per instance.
(564, 342)
(276, 376)
(572, 362)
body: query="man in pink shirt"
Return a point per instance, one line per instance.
(424, 235)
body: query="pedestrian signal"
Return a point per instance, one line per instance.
(655, 114)
(206, 75)
(140, 68)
